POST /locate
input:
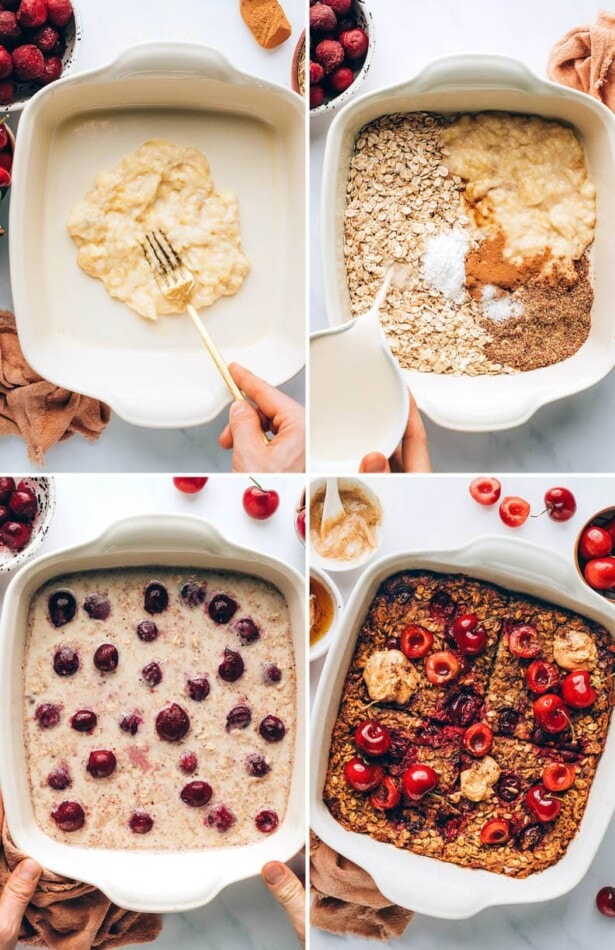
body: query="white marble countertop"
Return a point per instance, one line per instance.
(565, 436)
(428, 512)
(108, 29)
(243, 915)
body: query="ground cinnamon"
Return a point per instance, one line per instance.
(486, 265)
(267, 21)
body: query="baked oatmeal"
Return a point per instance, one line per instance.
(471, 723)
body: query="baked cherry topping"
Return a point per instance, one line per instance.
(66, 661)
(69, 816)
(442, 607)
(393, 643)
(198, 688)
(418, 781)
(196, 794)
(257, 766)
(442, 667)
(541, 677)
(494, 832)
(529, 837)
(578, 691)
(221, 818)
(47, 715)
(485, 490)
(401, 586)
(550, 713)
(172, 723)
(372, 738)
(141, 823)
(508, 787)
(460, 707)
(470, 637)
(156, 598)
(363, 776)
(267, 821)
(62, 607)
(272, 673)
(523, 641)
(246, 630)
(478, 739)
(101, 763)
(7, 487)
(221, 608)
(272, 729)
(23, 505)
(147, 631)
(152, 674)
(193, 594)
(560, 503)
(558, 776)
(239, 717)
(415, 641)
(131, 722)
(386, 796)
(97, 607)
(188, 763)
(106, 658)
(60, 778)
(605, 901)
(541, 803)
(84, 720)
(508, 720)
(232, 666)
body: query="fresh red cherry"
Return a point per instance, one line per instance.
(266, 821)
(599, 573)
(558, 776)
(550, 713)
(605, 901)
(418, 781)
(442, 667)
(106, 658)
(47, 715)
(485, 490)
(523, 641)
(541, 803)
(69, 816)
(470, 637)
(196, 794)
(101, 763)
(221, 818)
(7, 487)
(198, 688)
(141, 823)
(23, 505)
(65, 661)
(272, 729)
(595, 542)
(155, 598)
(560, 504)
(172, 723)
(372, 738)
(60, 778)
(97, 607)
(259, 503)
(386, 796)
(300, 523)
(15, 535)
(610, 527)
(62, 607)
(541, 677)
(84, 720)
(415, 641)
(578, 691)
(478, 739)
(190, 484)
(495, 832)
(188, 763)
(5, 514)
(514, 511)
(363, 776)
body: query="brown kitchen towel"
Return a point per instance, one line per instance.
(41, 413)
(347, 900)
(584, 59)
(66, 915)
(267, 22)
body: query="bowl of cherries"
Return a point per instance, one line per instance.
(341, 44)
(26, 509)
(595, 553)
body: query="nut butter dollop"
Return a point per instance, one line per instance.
(575, 650)
(479, 779)
(390, 677)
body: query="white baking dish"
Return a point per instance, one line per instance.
(472, 83)
(71, 331)
(144, 880)
(425, 884)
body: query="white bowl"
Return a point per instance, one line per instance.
(44, 488)
(148, 881)
(321, 646)
(427, 885)
(365, 21)
(253, 133)
(472, 83)
(331, 564)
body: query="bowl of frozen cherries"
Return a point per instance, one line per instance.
(26, 509)
(595, 553)
(341, 47)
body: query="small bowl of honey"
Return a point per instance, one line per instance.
(325, 606)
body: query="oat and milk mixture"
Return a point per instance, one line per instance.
(159, 187)
(211, 651)
(493, 217)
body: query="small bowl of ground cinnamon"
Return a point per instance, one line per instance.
(356, 537)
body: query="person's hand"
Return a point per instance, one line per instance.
(281, 414)
(411, 455)
(17, 894)
(289, 891)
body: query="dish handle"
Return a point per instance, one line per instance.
(167, 893)
(173, 59)
(165, 533)
(486, 414)
(537, 565)
(469, 70)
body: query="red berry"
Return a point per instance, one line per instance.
(5, 179)
(339, 7)
(470, 638)
(52, 70)
(156, 598)
(259, 503)
(221, 818)
(106, 658)
(605, 901)
(485, 490)
(418, 781)
(246, 630)
(7, 487)
(541, 677)
(239, 717)
(196, 794)
(232, 666)
(354, 43)
(5, 514)
(560, 504)
(28, 62)
(60, 778)
(23, 505)
(7, 93)
(221, 608)
(266, 821)
(198, 688)
(341, 79)
(494, 832)
(32, 13)
(84, 720)
(415, 641)
(6, 67)
(59, 12)
(610, 527)
(600, 573)
(193, 594)
(141, 823)
(6, 161)
(15, 535)
(101, 763)
(541, 803)
(558, 776)
(46, 39)
(372, 738)
(317, 73)
(69, 816)
(131, 722)
(97, 607)
(272, 729)
(523, 641)
(317, 96)
(190, 485)
(257, 766)
(362, 776)
(550, 713)
(442, 667)
(386, 796)
(322, 19)
(10, 31)
(188, 763)
(62, 607)
(66, 661)
(47, 715)
(514, 511)
(300, 524)
(595, 542)
(152, 674)
(578, 691)
(172, 723)
(478, 739)
(330, 55)
(147, 631)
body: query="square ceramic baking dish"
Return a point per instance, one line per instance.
(473, 83)
(71, 331)
(151, 881)
(424, 884)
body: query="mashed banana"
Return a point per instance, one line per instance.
(167, 187)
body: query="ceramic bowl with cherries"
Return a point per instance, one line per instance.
(595, 553)
(26, 509)
(341, 45)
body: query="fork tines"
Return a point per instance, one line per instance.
(160, 254)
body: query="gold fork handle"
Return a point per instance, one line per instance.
(216, 356)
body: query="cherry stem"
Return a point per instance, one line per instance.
(543, 512)
(571, 727)
(260, 487)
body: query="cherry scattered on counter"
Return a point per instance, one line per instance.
(605, 901)
(514, 511)
(190, 485)
(260, 503)
(486, 491)
(560, 503)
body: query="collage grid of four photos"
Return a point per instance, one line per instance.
(307, 504)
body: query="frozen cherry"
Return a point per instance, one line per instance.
(508, 787)
(470, 637)
(247, 630)
(15, 535)
(131, 722)
(415, 641)
(152, 674)
(257, 766)
(69, 816)
(541, 677)
(66, 661)
(386, 796)
(106, 658)
(84, 720)
(101, 763)
(172, 723)
(232, 666)
(514, 511)
(418, 781)
(485, 490)
(141, 823)
(541, 803)
(362, 776)
(372, 738)
(221, 818)
(221, 608)
(62, 607)
(47, 715)
(442, 607)
(156, 598)
(97, 607)
(196, 794)
(272, 673)
(23, 505)
(272, 729)
(188, 763)
(239, 717)
(267, 821)
(7, 487)
(578, 691)
(147, 631)
(193, 594)
(198, 688)
(60, 778)
(4, 514)
(442, 667)
(560, 503)
(523, 641)
(605, 901)
(478, 739)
